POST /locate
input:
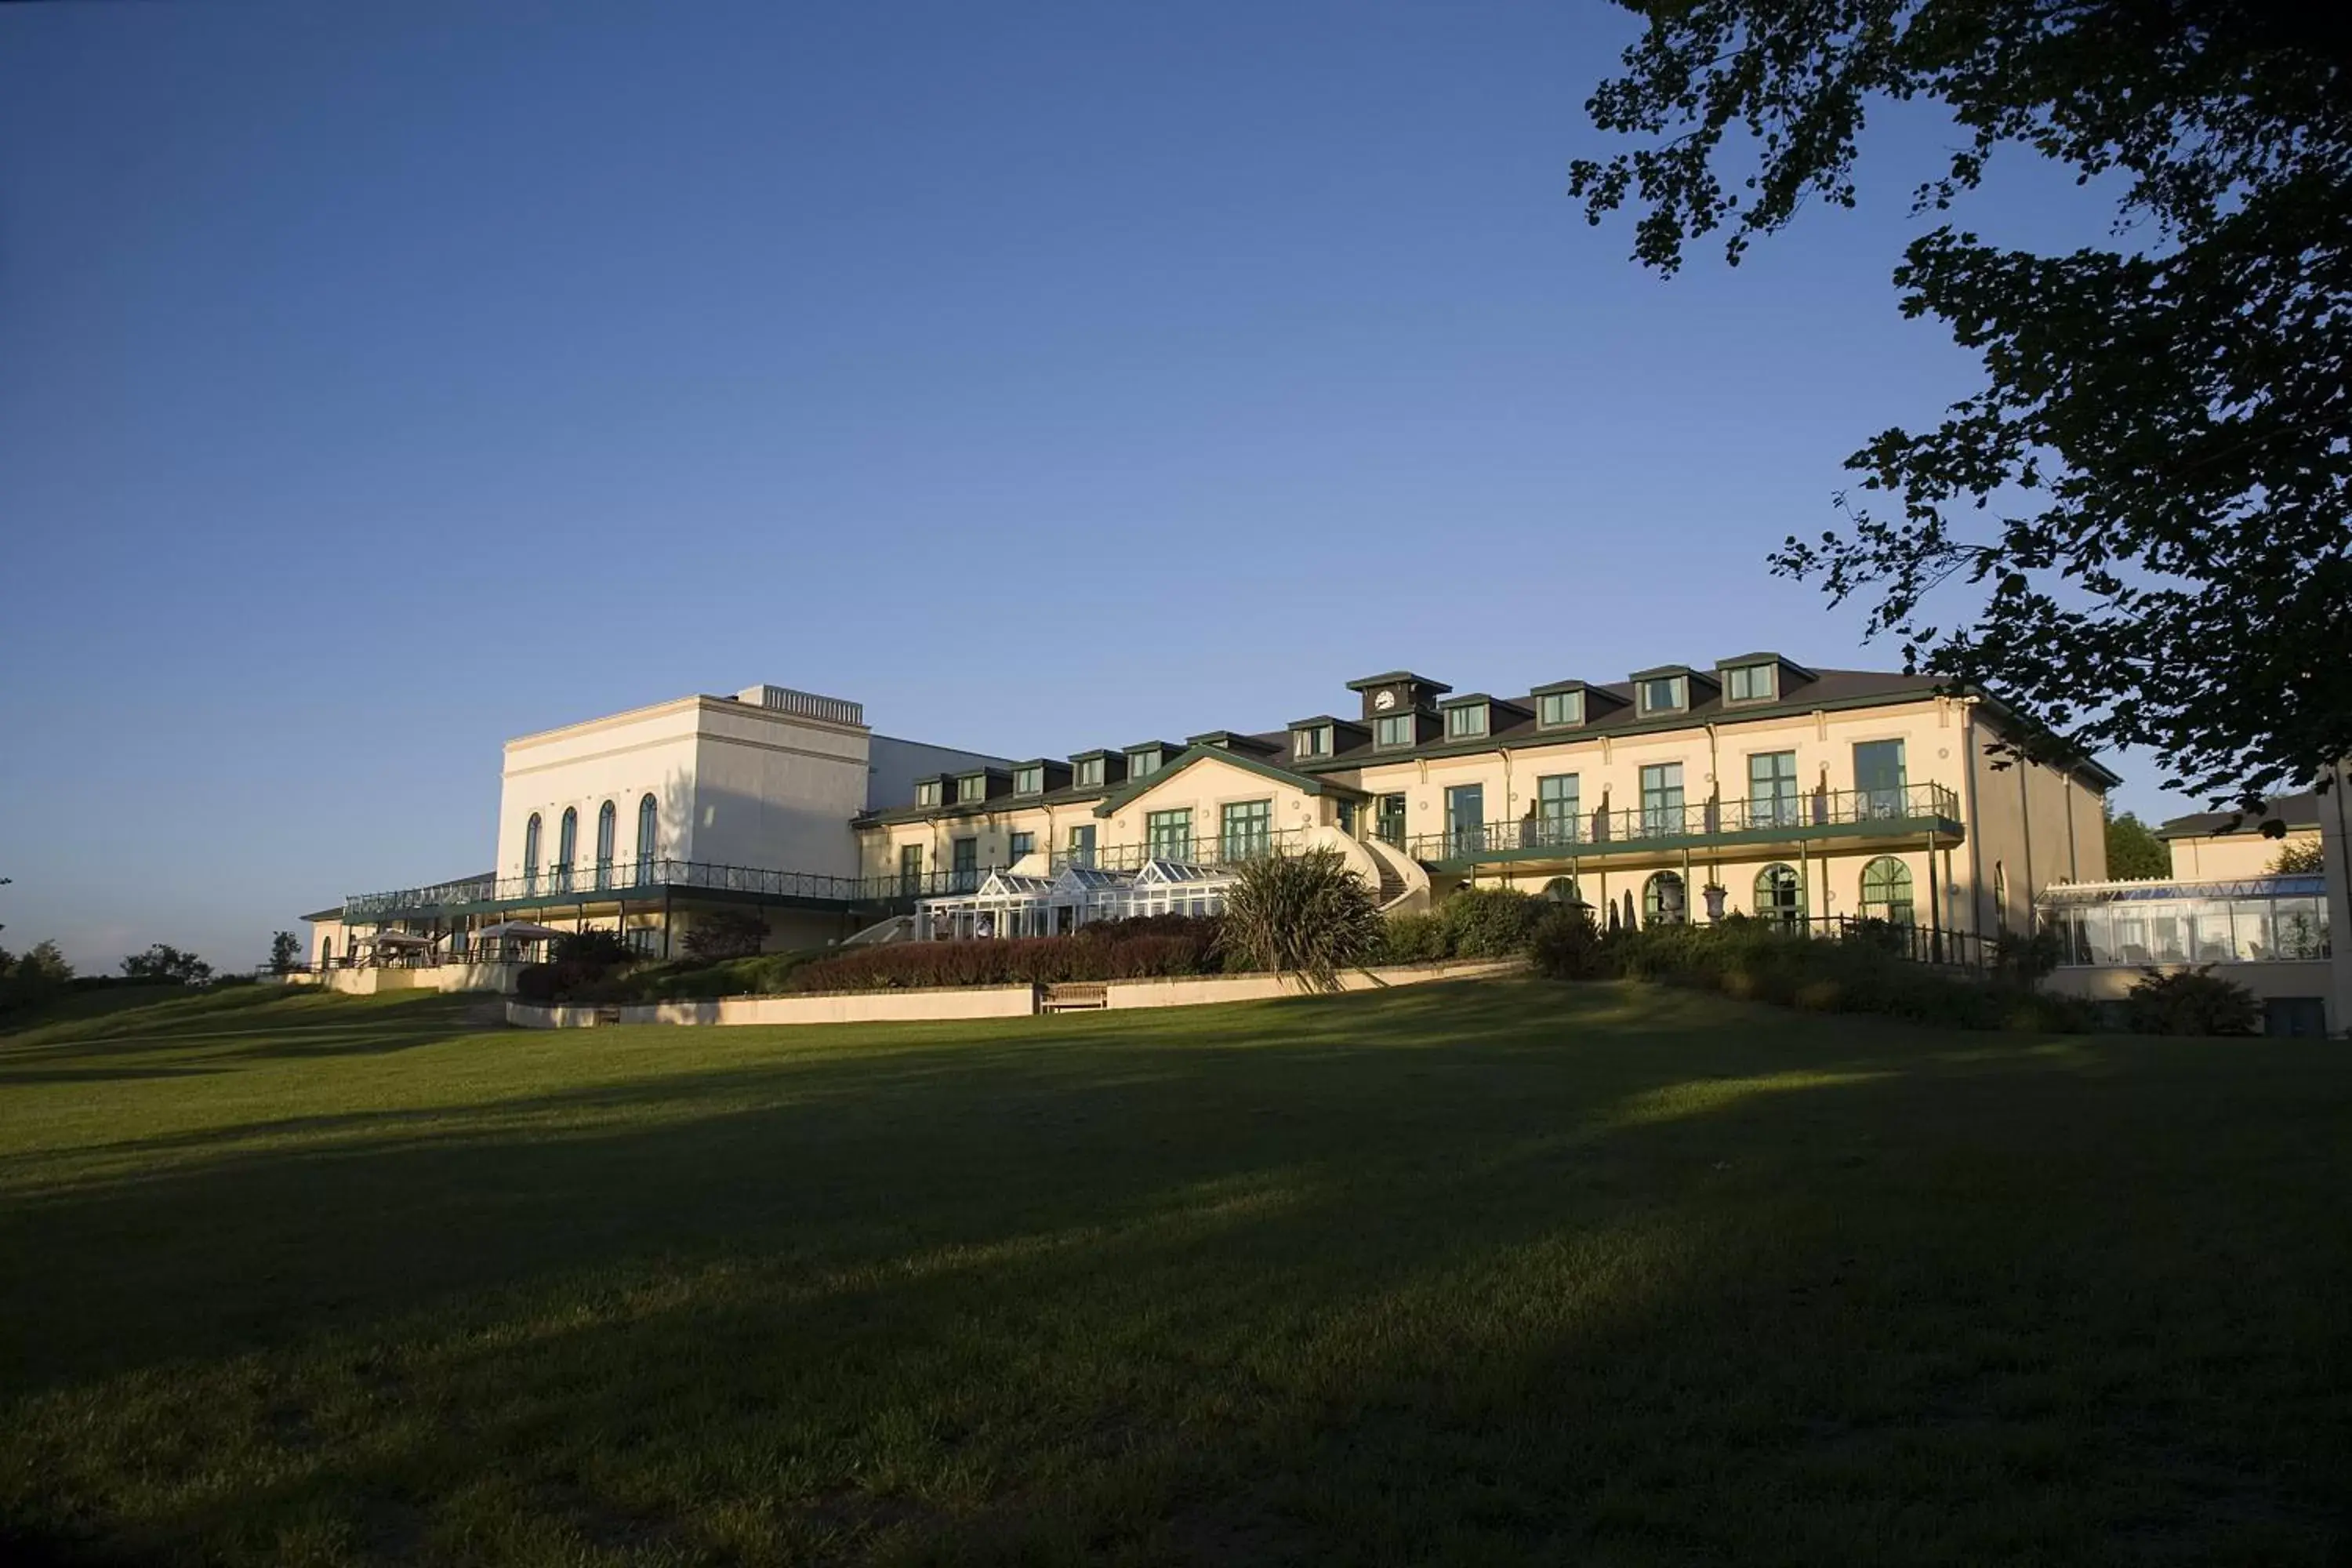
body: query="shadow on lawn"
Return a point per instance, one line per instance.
(1479, 1273)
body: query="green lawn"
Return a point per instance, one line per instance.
(1477, 1274)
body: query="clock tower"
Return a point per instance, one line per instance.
(1399, 691)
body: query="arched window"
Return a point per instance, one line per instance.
(1886, 891)
(1661, 900)
(530, 854)
(567, 847)
(1780, 896)
(326, 951)
(648, 827)
(1561, 890)
(607, 815)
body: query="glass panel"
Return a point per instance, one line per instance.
(2250, 930)
(1878, 776)
(1142, 765)
(1465, 722)
(1749, 683)
(2301, 925)
(1779, 894)
(1090, 773)
(1661, 899)
(2167, 935)
(1169, 835)
(1559, 809)
(1248, 829)
(1466, 818)
(1020, 846)
(1772, 790)
(1663, 695)
(1561, 707)
(1388, 822)
(1886, 891)
(1662, 798)
(1082, 845)
(2208, 934)
(1394, 729)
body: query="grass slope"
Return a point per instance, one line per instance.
(1471, 1274)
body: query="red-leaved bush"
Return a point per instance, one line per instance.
(1115, 950)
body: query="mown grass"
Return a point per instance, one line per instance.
(1473, 1274)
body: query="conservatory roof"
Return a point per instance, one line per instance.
(2276, 884)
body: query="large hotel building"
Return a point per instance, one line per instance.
(1753, 784)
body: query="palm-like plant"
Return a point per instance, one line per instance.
(1306, 915)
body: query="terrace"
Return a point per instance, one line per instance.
(1913, 811)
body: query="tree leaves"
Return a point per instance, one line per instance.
(2143, 514)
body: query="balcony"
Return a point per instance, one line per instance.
(1186, 849)
(1912, 810)
(643, 880)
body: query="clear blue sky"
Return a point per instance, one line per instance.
(381, 381)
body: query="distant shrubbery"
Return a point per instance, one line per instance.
(30, 978)
(1758, 961)
(1476, 923)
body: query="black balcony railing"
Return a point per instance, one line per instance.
(1204, 850)
(646, 879)
(1666, 823)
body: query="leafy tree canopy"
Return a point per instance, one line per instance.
(2137, 530)
(2134, 851)
(163, 961)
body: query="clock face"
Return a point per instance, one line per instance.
(1384, 700)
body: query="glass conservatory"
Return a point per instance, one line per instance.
(2252, 920)
(1006, 905)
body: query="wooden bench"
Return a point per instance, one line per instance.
(1074, 996)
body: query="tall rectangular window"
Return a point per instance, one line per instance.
(1772, 789)
(1246, 829)
(1662, 798)
(1168, 834)
(1663, 694)
(910, 868)
(1751, 682)
(1029, 780)
(1557, 809)
(1082, 845)
(1020, 846)
(1466, 819)
(1315, 741)
(1392, 731)
(1467, 722)
(967, 864)
(1088, 774)
(1878, 777)
(1555, 709)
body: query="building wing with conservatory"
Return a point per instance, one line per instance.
(1753, 784)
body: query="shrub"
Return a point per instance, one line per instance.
(1489, 922)
(1566, 945)
(593, 950)
(1307, 915)
(2192, 1002)
(1758, 961)
(2027, 958)
(1112, 952)
(535, 983)
(2300, 858)
(730, 934)
(1412, 939)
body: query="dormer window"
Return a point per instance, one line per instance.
(1315, 741)
(971, 787)
(1392, 732)
(1559, 709)
(1751, 683)
(1666, 694)
(927, 792)
(1087, 774)
(1029, 780)
(1467, 722)
(1143, 764)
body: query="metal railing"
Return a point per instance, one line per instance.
(646, 879)
(1595, 831)
(1189, 849)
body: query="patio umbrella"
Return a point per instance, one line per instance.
(398, 939)
(519, 930)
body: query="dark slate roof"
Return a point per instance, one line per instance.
(1516, 724)
(2287, 810)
